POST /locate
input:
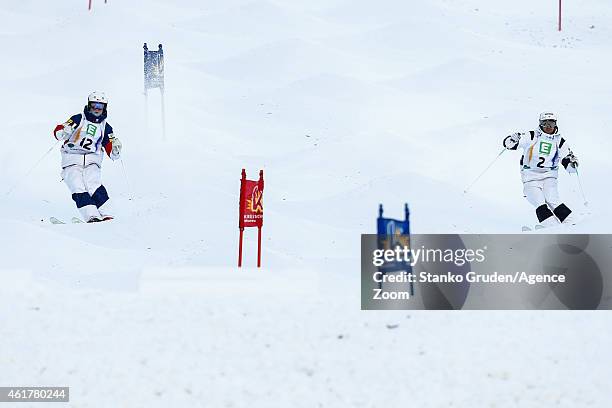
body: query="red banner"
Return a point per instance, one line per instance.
(251, 210)
(251, 202)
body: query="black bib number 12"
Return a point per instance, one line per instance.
(86, 143)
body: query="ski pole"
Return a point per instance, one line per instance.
(127, 181)
(586, 203)
(31, 169)
(484, 171)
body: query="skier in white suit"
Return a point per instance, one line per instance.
(543, 150)
(86, 137)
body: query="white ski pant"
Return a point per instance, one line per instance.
(88, 193)
(540, 192)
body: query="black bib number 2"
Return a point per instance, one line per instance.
(541, 162)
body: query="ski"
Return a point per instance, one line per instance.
(573, 222)
(527, 228)
(96, 219)
(57, 221)
(537, 227)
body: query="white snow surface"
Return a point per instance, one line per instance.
(344, 104)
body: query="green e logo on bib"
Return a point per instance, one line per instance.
(545, 147)
(91, 129)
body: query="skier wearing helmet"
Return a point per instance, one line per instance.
(543, 150)
(86, 137)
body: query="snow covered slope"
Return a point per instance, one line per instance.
(344, 104)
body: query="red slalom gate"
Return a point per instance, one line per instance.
(251, 211)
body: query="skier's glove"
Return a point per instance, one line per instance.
(570, 162)
(116, 151)
(63, 132)
(511, 142)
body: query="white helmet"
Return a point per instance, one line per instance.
(548, 116)
(96, 103)
(97, 96)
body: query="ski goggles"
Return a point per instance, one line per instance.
(96, 105)
(548, 123)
